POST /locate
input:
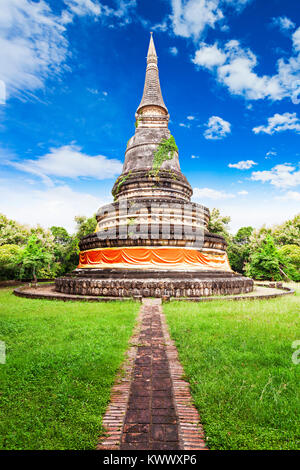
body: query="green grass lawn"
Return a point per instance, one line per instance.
(61, 363)
(237, 357)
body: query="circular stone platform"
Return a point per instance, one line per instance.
(48, 292)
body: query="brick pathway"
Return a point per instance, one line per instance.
(151, 421)
(151, 406)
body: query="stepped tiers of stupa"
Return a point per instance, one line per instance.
(152, 241)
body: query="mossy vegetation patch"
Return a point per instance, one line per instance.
(165, 151)
(121, 180)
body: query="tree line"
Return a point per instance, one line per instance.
(268, 253)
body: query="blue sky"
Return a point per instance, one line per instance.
(71, 78)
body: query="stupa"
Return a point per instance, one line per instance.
(152, 241)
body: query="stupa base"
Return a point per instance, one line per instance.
(138, 283)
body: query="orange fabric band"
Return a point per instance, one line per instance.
(134, 257)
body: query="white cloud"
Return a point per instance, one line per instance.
(209, 56)
(84, 7)
(191, 17)
(217, 128)
(69, 162)
(290, 196)
(234, 67)
(283, 23)
(190, 118)
(158, 27)
(173, 50)
(32, 44)
(296, 40)
(270, 153)
(281, 176)
(242, 165)
(52, 206)
(208, 193)
(182, 124)
(195, 157)
(2, 92)
(243, 193)
(280, 123)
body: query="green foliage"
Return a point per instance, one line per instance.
(219, 224)
(268, 262)
(65, 250)
(292, 254)
(243, 235)
(34, 260)
(62, 360)
(9, 255)
(12, 233)
(238, 255)
(264, 263)
(239, 249)
(85, 226)
(121, 180)
(288, 233)
(165, 151)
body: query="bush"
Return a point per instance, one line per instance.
(9, 255)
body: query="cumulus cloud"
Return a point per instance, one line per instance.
(284, 23)
(190, 18)
(243, 164)
(217, 128)
(209, 193)
(280, 123)
(234, 67)
(209, 56)
(243, 193)
(190, 118)
(69, 162)
(281, 176)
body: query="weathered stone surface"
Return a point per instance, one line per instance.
(152, 287)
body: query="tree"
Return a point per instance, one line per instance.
(85, 226)
(239, 249)
(264, 263)
(35, 260)
(218, 224)
(269, 262)
(238, 255)
(288, 233)
(65, 250)
(243, 235)
(292, 254)
(12, 233)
